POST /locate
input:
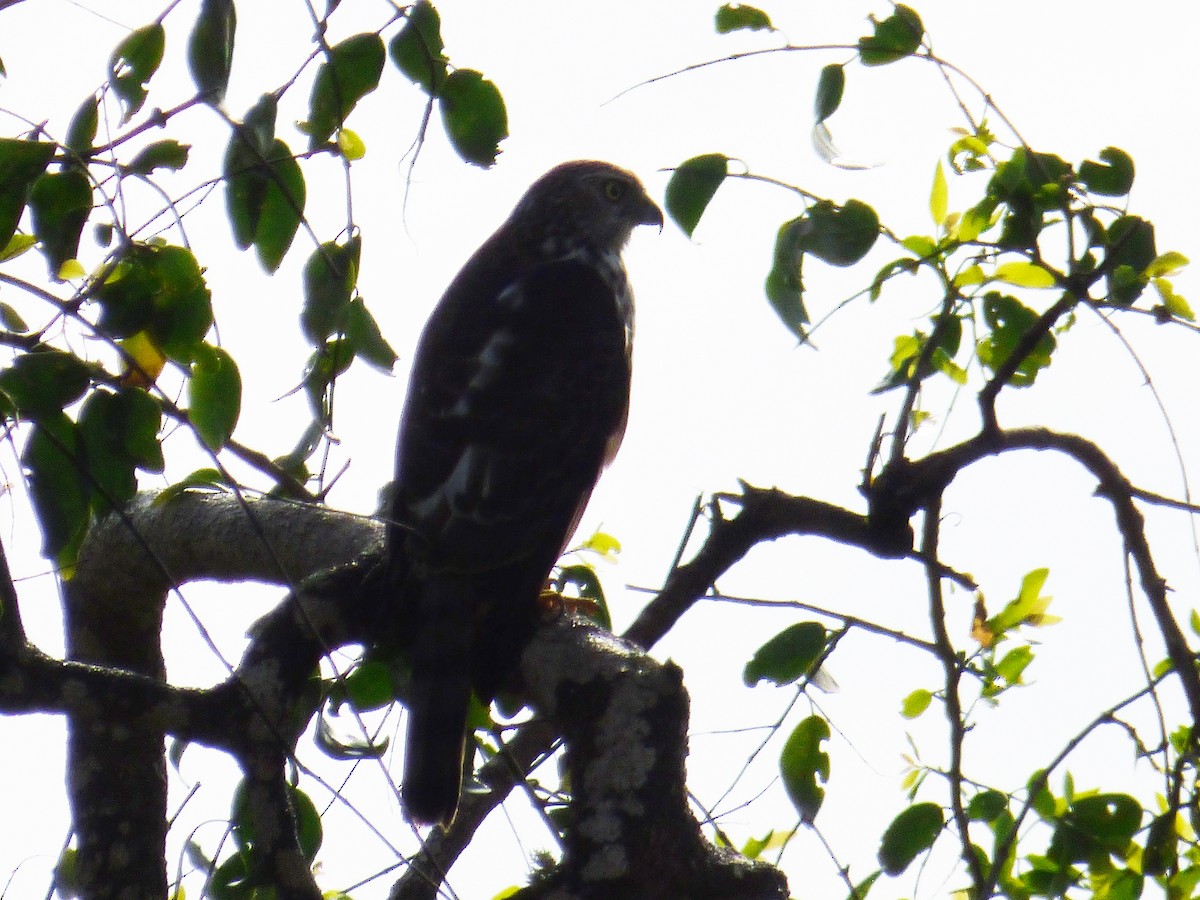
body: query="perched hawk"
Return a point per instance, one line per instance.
(518, 399)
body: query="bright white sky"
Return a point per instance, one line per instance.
(721, 391)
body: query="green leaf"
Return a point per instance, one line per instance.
(1111, 178)
(368, 341)
(838, 235)
(737, 16)
(60, 203)
(369, 686)
(784, 286)
(161, 290)
(160, 155)
(587, 585)
(692, 187)
(788, 656)
(1099, 823)
(1029, 606)
(987, 806)
(916, 703)
(1174, 304)
(57, 486)
(1014, 663)
(1131, 251)
(42, 382)
(133, 63)
(897, 36)
(1161, 853)
(417, 49)
(939, 196)
(210, 49)
(474, 115)
(802, 762)
(859, 891)
(102, 427)
(214, 396)
(81, 133)
(910, 834)
(246, 171)
(9, 317)
(1009, 320)
(350, 73)
(21, 162)
(830, 86)
(329, 279)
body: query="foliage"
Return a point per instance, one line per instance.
(125, 349)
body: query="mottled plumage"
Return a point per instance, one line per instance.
(517, 400)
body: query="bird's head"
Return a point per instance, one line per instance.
(585, 201)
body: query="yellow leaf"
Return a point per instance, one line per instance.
(17, 245)
(939, 196)
(1169, 262)
(351, 145)
(603, 545)
(1176, 305)
(1024, 274)
(970, 275)
(71, 269)
(979, 629)
(142, 360)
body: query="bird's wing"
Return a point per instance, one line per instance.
(517, 397)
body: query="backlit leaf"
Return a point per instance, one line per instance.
(1165, 264)
(802, 763)
(210, 48)
(938, 196)
(160, 155)
(916, 703)
(350, 72)
(737, 16)
(81, 133)
(21, 162)
(417, 49)
(133, 63)
(1111, 178)
(53, 461)
(1024, 274)
(897, 36)
(369, 343)
(474, 114)
(60, 203)
(788, 656)
(910, 834)
(692, 187)
(214, 396)
(830, 86)
(329, 278)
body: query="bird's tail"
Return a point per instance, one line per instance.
(439, 700)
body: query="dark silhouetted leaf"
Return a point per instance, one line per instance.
(910, 834)
(1162, 840)
(349, 74)
(329, 278)
(839, 235)
(21, 162)
(788, 656)
(829, 90)
(897, 36)
(417, 49)
(1111, 178)
(160, 155)
(737, 16)
(246, 171)
(214, 396)
(133, 63)
(785, 285)
(1131, 249)
(1099, 824)
(474, 115)
(987, 806)
(692, 187)
(210, 48)
(57, 486)
(802, 763)
(60, 203)
(81, 133)
(1009, 320)
(41, 383)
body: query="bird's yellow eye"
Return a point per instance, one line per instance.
(614, 190)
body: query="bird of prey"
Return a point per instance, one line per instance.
(518, 399)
